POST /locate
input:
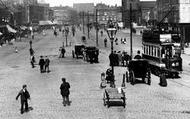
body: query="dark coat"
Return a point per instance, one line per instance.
(31, 51)
(63, 50)
(65, 89)
(47, 61)
(41, 62)
(23, 95)
(137, 57)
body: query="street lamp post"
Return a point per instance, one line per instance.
(111, 31)
(66, 34)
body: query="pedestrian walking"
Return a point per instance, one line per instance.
(55, 33)
(31, 52)
(16, 50)
(41, 63)
(63, 52)
(101, 33)
(32, 61)
(65, 91)
(47, 61)
(24, 96)
(63, 32)
(105, 42)
(116, 41)
(124, 41)
(32, 34)
(121, 40)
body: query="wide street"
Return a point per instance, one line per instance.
(143, 101)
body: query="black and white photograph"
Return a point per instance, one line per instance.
(94, 59)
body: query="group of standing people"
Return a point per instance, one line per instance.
(117, 59)
(44, 64)
(123, 41)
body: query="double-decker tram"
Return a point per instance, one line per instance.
(161, 47)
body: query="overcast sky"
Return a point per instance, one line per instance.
(70, 2)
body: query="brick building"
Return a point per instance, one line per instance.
(105, 13)
(148, 14)
(84, 7)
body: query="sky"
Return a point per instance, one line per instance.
(70, 2)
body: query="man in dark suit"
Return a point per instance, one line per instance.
(65, 91)
(47, 61)
(41, 63)
(138, 56)
(24, 96)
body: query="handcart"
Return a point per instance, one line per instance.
(113, 95)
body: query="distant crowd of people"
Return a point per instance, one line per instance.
(123, 41)
(121, 59)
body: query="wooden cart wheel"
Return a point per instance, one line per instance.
(73, 54)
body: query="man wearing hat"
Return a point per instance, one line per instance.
(65, 91)
(41, 63)
(24, 96)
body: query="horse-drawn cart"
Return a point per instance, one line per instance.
(139, 68)
(78, 51)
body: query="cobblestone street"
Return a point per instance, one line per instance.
(143, 101)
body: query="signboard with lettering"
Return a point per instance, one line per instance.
(165, 38)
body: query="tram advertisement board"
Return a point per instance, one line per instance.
(165, 38)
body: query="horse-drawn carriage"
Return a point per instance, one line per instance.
(139, 68)
(91, 54)
(78, 51)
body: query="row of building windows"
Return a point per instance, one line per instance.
(106, 19)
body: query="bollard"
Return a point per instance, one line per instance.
(163, 81)
(123, 82)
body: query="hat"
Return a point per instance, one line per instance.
(24, 86)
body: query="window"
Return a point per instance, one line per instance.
(148, 50)
(158, 52)
(155, 48)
